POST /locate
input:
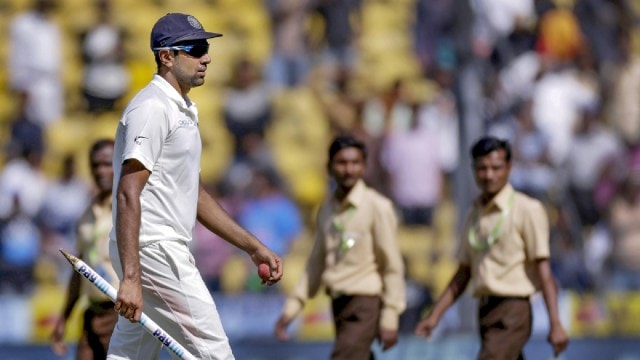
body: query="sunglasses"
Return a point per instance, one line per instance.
(195, 50)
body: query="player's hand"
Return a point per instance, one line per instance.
(129, 301)
(264, 255)
(57, 338)
(387, 338)
(558, 339)
(425, 326)
(280, 329)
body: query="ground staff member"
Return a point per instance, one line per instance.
(504, 253)
(356, 258)
(157, 198)
(92, 246)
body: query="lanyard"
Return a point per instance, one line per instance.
(346, 242)
(494, 234)
(98, 231)
(340, 225)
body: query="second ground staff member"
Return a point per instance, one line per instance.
(158, 197)
(92, 246)
(504, 255)
(356, 258)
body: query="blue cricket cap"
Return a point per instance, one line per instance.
(175, 28)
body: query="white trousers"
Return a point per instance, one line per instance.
(176, 298)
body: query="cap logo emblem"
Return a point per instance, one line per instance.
(194, 22)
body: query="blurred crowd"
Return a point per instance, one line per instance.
(418, 80)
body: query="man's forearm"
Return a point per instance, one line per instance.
(456, 287)
(549, 290)
(217, 220)
(127, 233)
(73, 294)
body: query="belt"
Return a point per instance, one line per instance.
(495, 299)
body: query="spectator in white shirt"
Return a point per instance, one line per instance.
(35, 62)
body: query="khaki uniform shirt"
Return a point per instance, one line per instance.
(355, 253)
(507, 268)
(93, 247)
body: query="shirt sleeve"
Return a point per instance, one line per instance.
(144, 130)
(311, 280)
(535, 231)
(391, 265)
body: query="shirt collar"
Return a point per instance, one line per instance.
(99, 207)
(500, 201)
(356, 195)
(173, 94)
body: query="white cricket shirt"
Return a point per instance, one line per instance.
(159, 128)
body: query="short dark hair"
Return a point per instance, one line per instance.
(98, 145)
(487, 144)
(346, 141)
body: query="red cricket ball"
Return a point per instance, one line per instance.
(264, 272)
